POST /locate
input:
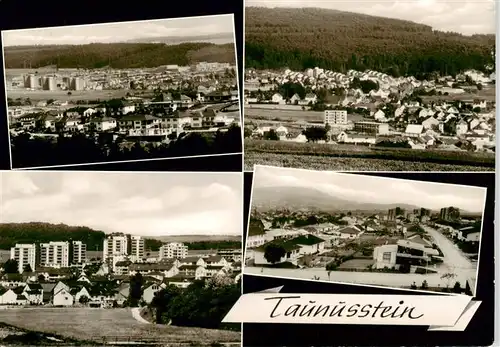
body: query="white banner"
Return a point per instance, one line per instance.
(439, 312)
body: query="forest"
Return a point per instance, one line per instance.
(305, 38)
(117, 55)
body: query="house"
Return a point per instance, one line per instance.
(379, 116)
(281, 131)
(401, 252)
(150, 291)
(470, 234)
(349, 233)
(48, 289)
(430, 123)
(309, 244)
(356, 139)
(7, 296)
(277, 98)
(462, 127)
(80, 292)
(310, 98)
(122, 293)
(256, 234)
(103, 124)
(295, 99)
(216, 260)
(414, 130)
(62, 297)
(179, 281)
(196, 271)
(34, 293)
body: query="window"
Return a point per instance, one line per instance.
(386, 256)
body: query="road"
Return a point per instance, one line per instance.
(454, 259)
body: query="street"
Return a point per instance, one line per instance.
(454, 259)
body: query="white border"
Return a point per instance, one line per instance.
(2, 32)
(386, 178)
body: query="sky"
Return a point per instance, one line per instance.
(370, 189)
(119, 32)
(144, 204)
(463, 16)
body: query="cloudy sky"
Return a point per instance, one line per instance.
(119, 32)
(463, 16)
(147, 204)
(371, 189)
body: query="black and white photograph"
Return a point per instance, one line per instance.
(122, 91)
(101, 258)
(380, 85)
(364, 230)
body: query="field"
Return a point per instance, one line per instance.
(361, 158)
(40, 95)
(109, 325)
(487, 93)
(289, 116)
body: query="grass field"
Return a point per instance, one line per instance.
(360, 158)
(39, 95)
(487, 93)
(290, 116)
(109, 325)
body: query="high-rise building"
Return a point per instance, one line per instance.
(115, 248)
(335, 117)
(77, 83)
(173, 250)
(449, 213)
(54, 254)
(24, 254)
(136, 248)
(79, 252)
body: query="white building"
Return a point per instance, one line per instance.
(54, 254)
(333, 117)
(173, 250)
(115, 248)
(79, 252)
(137, 248)
(24, 254)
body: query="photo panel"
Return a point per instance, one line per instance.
(287, 217)
(121, 91)
(112, 258)
(370, 86)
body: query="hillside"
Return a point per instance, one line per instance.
(313, 200)
(37, 232)
(336, 40)
(117, 55)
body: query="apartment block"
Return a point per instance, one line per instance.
(335, 117)
(54, 254)
(79, 252)
(24, 254)
(173, 250)
(136, 248)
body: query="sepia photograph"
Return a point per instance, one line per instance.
(370, 85)
(364, 230)
(105, 258)
(122, 91)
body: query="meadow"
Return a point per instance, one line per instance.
(62, 95)
(110, 325)
(361, 158)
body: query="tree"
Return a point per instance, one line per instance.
(84, 299)
(457, 288)
(467, 289)
(10, 266)
(274, 253)
(413, 285)
(314, 134)
(69, 93)
(271, 135)
(27, 268)
(135, 293)
(479, 86)
(448, 277)
(425, 285)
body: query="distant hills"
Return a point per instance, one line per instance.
(270, 198)
(220, 38)
(38, 232)
(300, 38)
(118, 55)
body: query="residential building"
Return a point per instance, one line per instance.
(54, 254)
(115, 249)
(234, 254)
(136, 248)
(24, 254)
(334, 117)
(449, 213)
(172, 250)
(403, 252)
(79, 252)
(256, 234)
(372, 128)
